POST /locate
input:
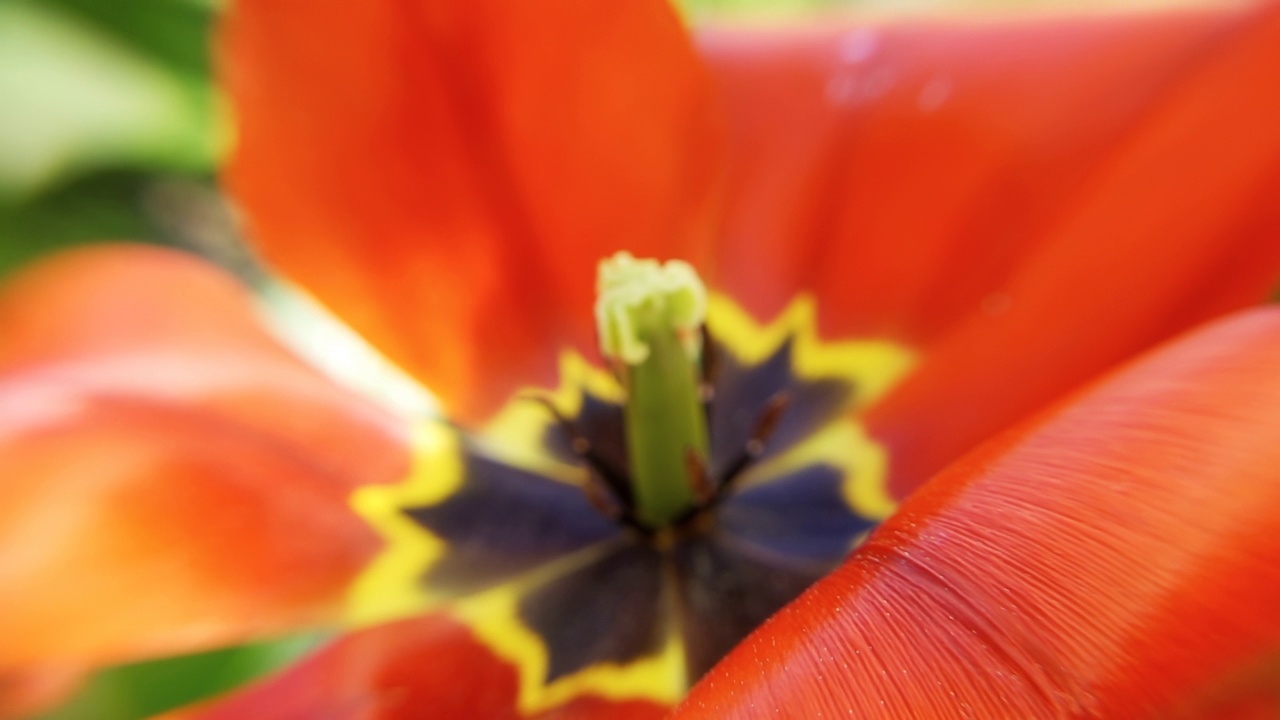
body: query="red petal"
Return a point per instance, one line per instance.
(446, 176)
(429, 666)
(1029, 201)
(1118, 558)
(180, 483)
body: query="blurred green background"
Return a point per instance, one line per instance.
(108, 121)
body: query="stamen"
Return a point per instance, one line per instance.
(704, 488)
(710, 366)
(765, 425)
(600, 468)
(601, 496)
(767, 422)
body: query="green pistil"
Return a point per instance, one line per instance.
(649, 317)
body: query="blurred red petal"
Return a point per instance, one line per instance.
(1029, 201)
(425, 667)
(447, 176)
(1118, 557)
(177, 484)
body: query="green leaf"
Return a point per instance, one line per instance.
(139, 690)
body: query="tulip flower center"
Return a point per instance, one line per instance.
(619, 535)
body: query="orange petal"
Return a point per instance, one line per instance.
(1117, 558)
(1029, 201)
(178, 484)
(446, 176)
(400, 671)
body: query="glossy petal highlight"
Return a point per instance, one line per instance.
(177, 484)
(445, 176)
(1116, 558)
(1027, 200)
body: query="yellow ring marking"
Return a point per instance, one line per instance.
(391, 587)
(494, 616)
(873, 366)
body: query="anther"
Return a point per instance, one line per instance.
(704, 488)
(765, 425)
(601, 497)
(767, 422)
(710, 366)
(577, 441)
(580, 446)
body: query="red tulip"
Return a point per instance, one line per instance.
(986, 215)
